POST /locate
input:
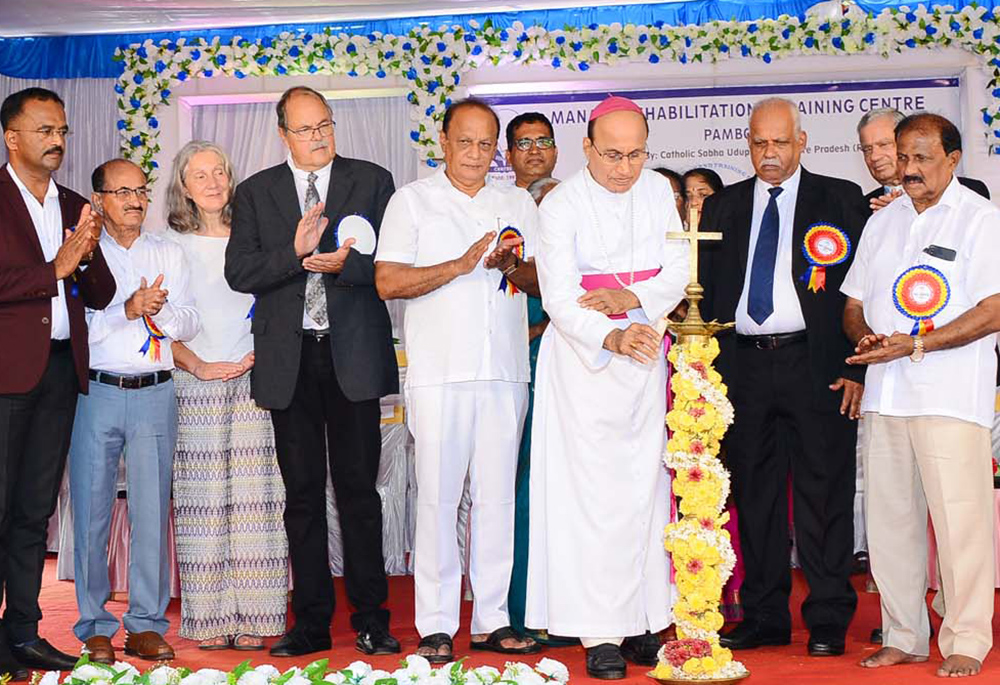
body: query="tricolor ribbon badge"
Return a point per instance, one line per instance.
(506, 234)
(920, 293)
(824, 245)
(154, 335)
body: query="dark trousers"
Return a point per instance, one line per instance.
(321, 421)
(783, 426)
(35, 429)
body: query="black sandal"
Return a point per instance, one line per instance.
(494, 643)
(436, 641)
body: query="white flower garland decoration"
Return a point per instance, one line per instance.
(413, 670)
(433, 61)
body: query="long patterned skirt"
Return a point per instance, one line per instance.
(228, 506)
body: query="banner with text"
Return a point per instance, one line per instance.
(708, 127)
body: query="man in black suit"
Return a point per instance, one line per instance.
(324, 357)
(877, 136)
(46, 233)
(793, 394)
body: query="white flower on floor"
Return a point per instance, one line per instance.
(50, 678)
(374, 676)
(254, 678)
(212, 676)
(268, 671)
(297, 680)
(163, 675)
(553, 670)
(483, 675)
(337, 678)
(88, 672)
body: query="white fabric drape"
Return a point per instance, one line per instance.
(374, 129)
(91, 112)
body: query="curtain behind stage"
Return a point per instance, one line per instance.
(373, 129)
(91, 112)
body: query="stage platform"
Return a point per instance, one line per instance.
(785, 665)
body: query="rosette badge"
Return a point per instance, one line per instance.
(507, 233)
(824, 245)
(920, 293)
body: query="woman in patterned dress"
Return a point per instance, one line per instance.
(228, 495)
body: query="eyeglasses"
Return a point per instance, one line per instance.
(615, 157)
(46, 131)
(123, 193)
(325, 130)
(544, 143)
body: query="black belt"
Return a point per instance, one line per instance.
(144, 380)
(313, 334)
(770, 342)
(60, 345)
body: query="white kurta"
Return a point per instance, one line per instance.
(599, 490)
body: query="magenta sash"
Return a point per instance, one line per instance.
(595, 281)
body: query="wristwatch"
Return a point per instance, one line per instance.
(513, 267)
(918, 349)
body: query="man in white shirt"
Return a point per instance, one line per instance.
(131, 410)
(923, 310)
(466, 335)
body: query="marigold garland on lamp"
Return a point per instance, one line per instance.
(700, 548)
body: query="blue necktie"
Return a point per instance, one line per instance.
(760, 303)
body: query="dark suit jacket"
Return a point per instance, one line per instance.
(970, 183)
(260, 259)
(724, 265)
(27, 286)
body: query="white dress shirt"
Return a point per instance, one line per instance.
(115, 340)
(468, 329)
(301, 186)
(47, 219)
(787, 315)
(958, 382)
(225, 322)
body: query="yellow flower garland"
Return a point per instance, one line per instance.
(702, 553)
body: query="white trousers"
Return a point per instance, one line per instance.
(464, 429)
(944, 466)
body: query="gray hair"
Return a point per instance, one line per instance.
(890, 112)
(182, 212)
(537, 188)
(780, 102)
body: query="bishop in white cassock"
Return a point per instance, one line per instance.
(600, 495)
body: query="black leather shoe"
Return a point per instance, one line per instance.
(642, 650)
(16, 671)
(43, 656)
(605, 662)
(750, 635)
(376, 641)
(299, 642)
(825, 641)
(876, 637)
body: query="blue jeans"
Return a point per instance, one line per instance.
(142, 424)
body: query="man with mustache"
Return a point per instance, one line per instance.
(923, 309)
(51, 267)
(131, 410)
(877, 137)
(788, 237)
(466, 332)
(324, 357)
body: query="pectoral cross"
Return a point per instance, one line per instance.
(693, 236)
